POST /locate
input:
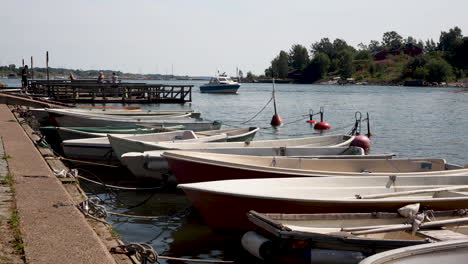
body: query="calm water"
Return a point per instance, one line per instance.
(409, 121)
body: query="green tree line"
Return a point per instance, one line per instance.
(393, 59)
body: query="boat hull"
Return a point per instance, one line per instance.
(227, 212)
(226, 89)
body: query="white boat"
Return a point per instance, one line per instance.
(220, 84)
(444, 252)
(70, 118)
(99, 149)
(122, 145)
(333, 141)
(42, 115)
(66, 133)
(224, 204)
(151, 164)
(358, 234)
(190, 167)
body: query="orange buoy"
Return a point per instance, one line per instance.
(322, 126)
(362, 142)
(276, 120)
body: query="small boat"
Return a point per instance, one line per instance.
(42, 115)
(55, 135)
(100, 149)
(123, 145)
(151, 164)
(224, 204)
(130, 108)
(332, 141)
(220, 84)
(446, 252)
(348, 234)
(67, 118)
(190, 167)
(137, 113)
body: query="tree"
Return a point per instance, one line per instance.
(279, 65)
(449, 40)
(374, 46)
(392, 40)
(438, 70)
(250, 76)
(430, 46)
(345, 64)
(460, 54)
(317, 68)
(323, 46)
(363, 55)
(298, 57)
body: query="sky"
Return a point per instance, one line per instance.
(199, 38)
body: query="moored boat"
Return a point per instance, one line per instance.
(122, 145)
(220, 84)
(358, 234)
(190, 167)
(224, 204)
(152, 164)
(332, 141)
(61, 118)
(100, 149)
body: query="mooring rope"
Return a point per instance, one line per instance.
(145, 253)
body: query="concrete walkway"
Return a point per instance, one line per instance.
(53, 230)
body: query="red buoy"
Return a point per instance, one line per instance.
(363, 142)
(311, 121)
(276, 120)
(322, 126)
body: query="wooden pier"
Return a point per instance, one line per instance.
(89, 91)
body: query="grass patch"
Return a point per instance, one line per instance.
(5, 156)
(114, 233)
(7, 180)
(14, 224)
(14, 219)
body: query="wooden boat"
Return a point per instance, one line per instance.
(124, 145)
(151, 164)
(67, 118)
(320, 141)
(99, 149)
(361, 234)
(197, 167)
(223, 204)
(446, 252)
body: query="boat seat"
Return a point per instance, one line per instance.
(441, 235)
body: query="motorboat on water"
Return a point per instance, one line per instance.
(220, 84)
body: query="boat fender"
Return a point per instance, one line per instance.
(322, 126)
(257, 245)
(326, 256)
(363, 142)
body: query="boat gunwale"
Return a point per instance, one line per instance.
(343, 200)
(173, 154)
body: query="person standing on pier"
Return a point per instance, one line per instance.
(100, 78)
(115, 78)
(24, 77)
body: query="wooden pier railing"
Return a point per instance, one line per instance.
(89, 91)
